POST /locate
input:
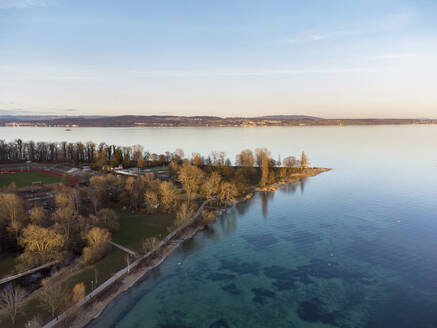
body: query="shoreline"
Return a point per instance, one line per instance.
(85, 313)
(431, 123)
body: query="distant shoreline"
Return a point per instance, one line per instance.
(196, 121)
(69, 129)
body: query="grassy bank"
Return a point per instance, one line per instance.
(134, 228)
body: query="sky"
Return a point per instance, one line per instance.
(332, 59)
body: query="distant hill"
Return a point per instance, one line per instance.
(11, 118)
(289, 117)
(172, 120)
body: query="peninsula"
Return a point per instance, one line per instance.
(92, 219)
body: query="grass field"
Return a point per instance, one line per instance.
(7, 265)
(104, 269)
(134, 228)
(24, 179)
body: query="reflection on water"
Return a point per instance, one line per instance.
(352, 247)
(290, 188)
(265, 198)
(302, 184)
(243, 206)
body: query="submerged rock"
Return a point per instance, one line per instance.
(232, 289)
(314, 311)
(220, 323)
(260, 241)
(239, 266)
(262, 292)
(217, 276)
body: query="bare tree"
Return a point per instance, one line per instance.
(264, 171)
(53, 297)
(227, 192)
(261, 154)
(94, 198)
(108, 219)
(40, 245)
(184, 215)
(304, 162)
(190, 177)
(149, 244)
(97, 236)
(10, 297)
(12, 212)
(211, 186)
(197, 159)
(79, 292)
(245, 158)
(137, 155)
(218, 158)
(168, 195)
(151, 201)
(39, 216)
(290, 162)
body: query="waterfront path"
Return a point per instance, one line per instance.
(124, 271)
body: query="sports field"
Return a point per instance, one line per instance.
(24, 179)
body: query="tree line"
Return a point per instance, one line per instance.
(102, 153)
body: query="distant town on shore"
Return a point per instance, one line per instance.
(174, 121)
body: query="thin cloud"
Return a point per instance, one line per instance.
(317, 37)
(397, 56)
(129, 74)
(393, 21)
(22, 4)
(288, 40)
(249, 73)
(21, 111)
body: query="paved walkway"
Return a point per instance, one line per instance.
(124, 271)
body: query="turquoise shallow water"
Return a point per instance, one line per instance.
(353, 247)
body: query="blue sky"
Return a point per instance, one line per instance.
(339, 58)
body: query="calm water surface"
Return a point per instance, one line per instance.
(353, 247)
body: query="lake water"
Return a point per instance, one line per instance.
(352, 247)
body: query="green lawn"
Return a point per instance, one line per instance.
(134, 228)
(7, 265)
(105, 268)
(24, 179)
